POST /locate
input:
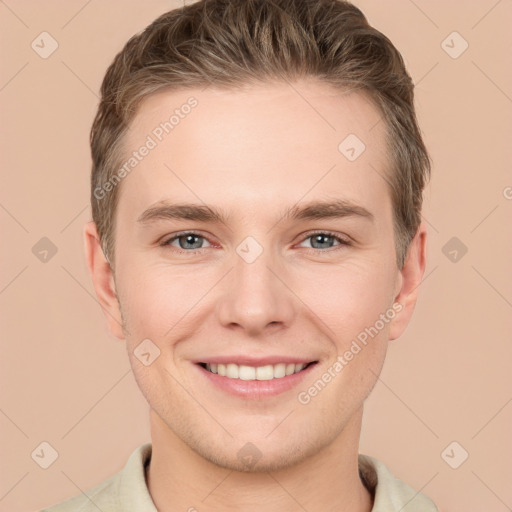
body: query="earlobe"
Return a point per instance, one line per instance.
(103, 279)
(410, 279)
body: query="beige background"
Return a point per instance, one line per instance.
(66, 381)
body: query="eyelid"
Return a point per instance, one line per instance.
(339, 236)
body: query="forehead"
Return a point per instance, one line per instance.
(277, 141)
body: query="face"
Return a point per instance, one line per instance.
(252, 256)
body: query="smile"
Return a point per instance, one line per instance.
(243, 372)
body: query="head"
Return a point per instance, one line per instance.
(244, 109)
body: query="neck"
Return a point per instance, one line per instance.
(179, 479)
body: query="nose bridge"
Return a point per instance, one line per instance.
(255, 298)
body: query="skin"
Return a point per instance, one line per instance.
(253, 153)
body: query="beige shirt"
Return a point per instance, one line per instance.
(126, 491)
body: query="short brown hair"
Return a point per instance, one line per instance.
(230, 43)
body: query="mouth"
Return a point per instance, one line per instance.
(255, 377)
(256, 373)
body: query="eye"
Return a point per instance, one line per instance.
(191, 242)
(187, 242)
(325, 240)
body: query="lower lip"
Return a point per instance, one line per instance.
(256, 389)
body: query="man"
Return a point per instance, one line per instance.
(256, 241)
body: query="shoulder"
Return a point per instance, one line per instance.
(103, 496)
(123, 492)
(390, 493)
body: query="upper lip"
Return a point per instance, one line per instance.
(255, 361)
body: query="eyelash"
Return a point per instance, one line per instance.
(342, 242)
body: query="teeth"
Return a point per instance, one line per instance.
(279, 371)
(265, 372)
(246, 373)
(232, 371)
(242, 372)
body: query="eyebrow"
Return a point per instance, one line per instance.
(316, 210)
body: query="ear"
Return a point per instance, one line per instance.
(103, 280)
(409, 280)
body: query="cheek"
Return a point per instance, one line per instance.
(349, 298)
(157, 298)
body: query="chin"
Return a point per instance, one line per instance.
(260, 456)
(255, 460)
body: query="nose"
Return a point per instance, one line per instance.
(255, 298)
